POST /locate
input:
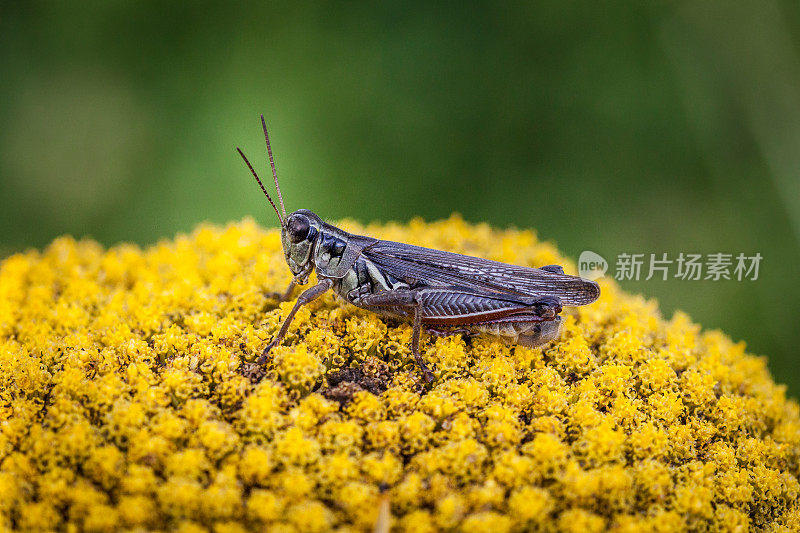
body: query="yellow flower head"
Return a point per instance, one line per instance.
(129, 399)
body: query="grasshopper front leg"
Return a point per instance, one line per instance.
(309, 295)
(285, 295)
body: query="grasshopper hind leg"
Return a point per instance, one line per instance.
(443, 332)
(555, 269)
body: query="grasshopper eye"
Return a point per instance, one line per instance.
(297, 226)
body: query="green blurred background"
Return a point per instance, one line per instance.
(639, 127)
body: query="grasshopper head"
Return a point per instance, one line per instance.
(298, 234)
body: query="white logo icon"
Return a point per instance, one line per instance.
(591, 265)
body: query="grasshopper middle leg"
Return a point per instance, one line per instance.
(411, 300)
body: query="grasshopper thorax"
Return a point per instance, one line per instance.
(299, 233)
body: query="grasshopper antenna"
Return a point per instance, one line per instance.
(261, 184)
(272, 164)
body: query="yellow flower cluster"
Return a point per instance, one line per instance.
(128, 400)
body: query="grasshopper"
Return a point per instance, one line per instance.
(443, 292)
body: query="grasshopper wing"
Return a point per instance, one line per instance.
(419, 267)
